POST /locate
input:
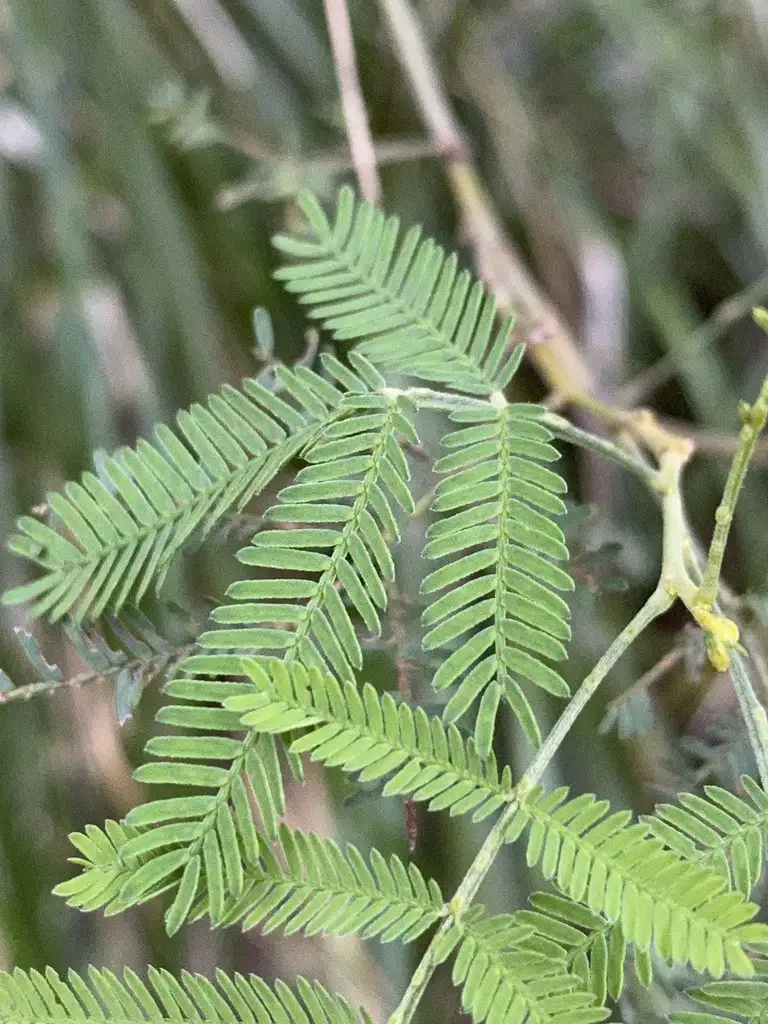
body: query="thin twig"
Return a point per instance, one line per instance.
(355, 114)
(753, 419)
(648, 679)
(636, 464)
(427, 398)
(392, 150)
(157, 663)
(716, 443)
(420, 69)
(552, 348)
(403, 669)
(725, 315)
(286, 171)
(752, 710)
(753, 713)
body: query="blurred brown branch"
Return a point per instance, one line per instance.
(552, 348)
(355, 113)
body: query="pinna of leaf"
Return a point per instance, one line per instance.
(281, 661)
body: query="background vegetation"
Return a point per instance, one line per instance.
(149, 149)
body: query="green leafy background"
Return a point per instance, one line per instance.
(146, 159)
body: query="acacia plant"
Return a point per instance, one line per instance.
(277, 672)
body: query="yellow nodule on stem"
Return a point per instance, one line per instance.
(721, 634)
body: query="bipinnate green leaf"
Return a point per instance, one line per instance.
(111, 536)
(371, 734)
(323, 562)
(311, 885)
(31, 997)
(195, 844)
(720, 831)
(595, 948)
(625, 873)
(406, 304)
(507, 973)
(498, 606)
(734, 998)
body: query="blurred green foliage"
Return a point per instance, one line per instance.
(148, 149)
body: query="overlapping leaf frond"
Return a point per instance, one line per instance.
(362, 731)
(200, 846)
(509, 973)
(195, 843)
(498, 592)
(198, 843)
(29, 997)
(316, 888)
(327, 556)
(595, 949)
(621, 871)
(408, 306)
(736, 998)
(721, 832)
(114, 534)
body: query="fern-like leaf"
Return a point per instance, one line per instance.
(29, 997)
(621, 871)
(721, 832)
(408, 306)
(196, 842)
(208, 837)
(507, 973)
(200, 846)
(317, 888)
(199, 843)
(736, 998)
(113, 536)
(500, 583)
(595, 948)
(329, 536)
(363, 732)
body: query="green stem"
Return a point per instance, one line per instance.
(657, 603)
(561, 428)
(676, 541)
(426, 398)
(753, 419)
(752, 710)
(754, 715)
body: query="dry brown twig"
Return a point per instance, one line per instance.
(153, 666)
(355, 113)
(293, 168)
(552, 347)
